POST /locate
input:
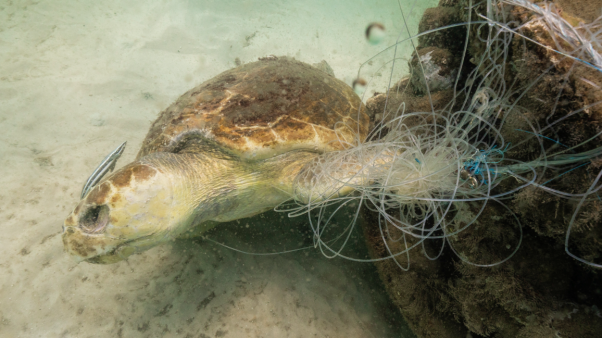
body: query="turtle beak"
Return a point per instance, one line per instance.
(83, 232)
(84, 228)
(83, 246)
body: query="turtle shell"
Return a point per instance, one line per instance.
(262, 109)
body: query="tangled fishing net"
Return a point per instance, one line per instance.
(430, 175)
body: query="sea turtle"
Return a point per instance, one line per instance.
(227, 149)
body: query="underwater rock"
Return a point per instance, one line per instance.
(447, 38)
(579, 88)
(433, 67)
(541, 291)
(420, 292)
(381, 110)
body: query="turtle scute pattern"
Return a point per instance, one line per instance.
(260, 109)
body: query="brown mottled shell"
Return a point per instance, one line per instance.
(262, 109)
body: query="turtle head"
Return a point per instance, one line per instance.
(130, 211)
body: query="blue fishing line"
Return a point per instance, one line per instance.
(486, 156)
(581, 165)
(551, 139)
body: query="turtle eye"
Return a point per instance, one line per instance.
(94, 219)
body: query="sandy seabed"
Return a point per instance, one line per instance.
(77, 78)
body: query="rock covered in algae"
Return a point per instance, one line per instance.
(433, 69)
(436, 70)
(541, 291)
(381, 110)
(444, 15)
